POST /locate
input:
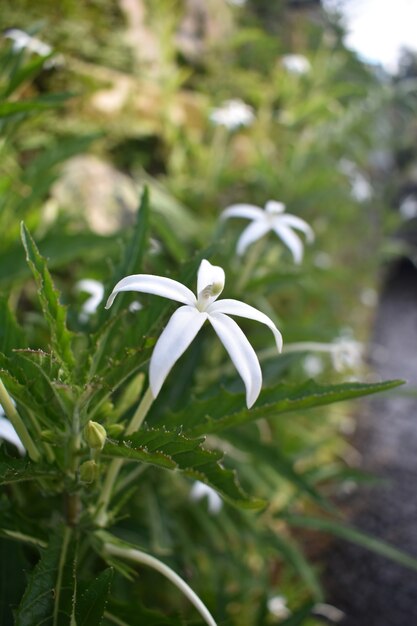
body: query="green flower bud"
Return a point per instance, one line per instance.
(89, 471)
(114, 430)
(95, 435)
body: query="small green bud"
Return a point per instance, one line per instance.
(95, 435)
(89, 471)
(114, 430)
(48, 435)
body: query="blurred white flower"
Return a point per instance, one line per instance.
(313, 365)
(237, 3)
(408, 207)
(135, 306)
(346, 354)
(271, 218)
(95, 289)
(277, 606)
(200, 490)
(186, 322)
(296, 63)
(23, 41)
(323, 260)
(8, 433)
(360, 187)
(232, 114)
(369, 297)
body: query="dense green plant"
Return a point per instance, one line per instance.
(96, 495)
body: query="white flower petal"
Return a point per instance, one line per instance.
(8, 433)
(241, 352)
(252, 233)
(291, 240)
(175, 339)
(296, 222)
(274, 207)
(96, 291)
(209, 275)
(200, 490)
(247, 211)
(158, 285)
(235, 307)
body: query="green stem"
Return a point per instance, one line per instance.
(116, 465)
(61, 565)
(138, 556)
(251, 261)
(141, 412)
(18, 424)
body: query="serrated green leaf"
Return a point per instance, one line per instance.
(354, 536)
(225, 410)
(20, 470)
(48, 598)
(174, 451)
(91, 604)
(54, 311)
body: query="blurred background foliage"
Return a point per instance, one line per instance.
(126, 98)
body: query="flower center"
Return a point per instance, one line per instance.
(207, 295)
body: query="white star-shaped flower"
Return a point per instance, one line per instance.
(274, 218)
(232, 114)
(185, 323)
(8, 433)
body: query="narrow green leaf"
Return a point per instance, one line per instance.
(225, 410)
(354, 536)
(8, 109)
(49, 595)
(174, 451)
(54, 311)
(11, 335)
(298, 618)
(294, 555)
(89, 609)
(133, 257)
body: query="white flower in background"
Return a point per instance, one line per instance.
(346, 354)
(277, 606)
(360, 187)
(200, 490)
(95, 289)
(296, 64)
(271, 218)
(323, 261)
(186, 321)
(237, 3)
(232, 114)
(408, 207)
(313, 365)
(369, 297)
(23, 41)
(8, 433)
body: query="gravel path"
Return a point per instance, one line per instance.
(371, 590)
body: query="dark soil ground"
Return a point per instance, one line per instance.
(369, 589)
